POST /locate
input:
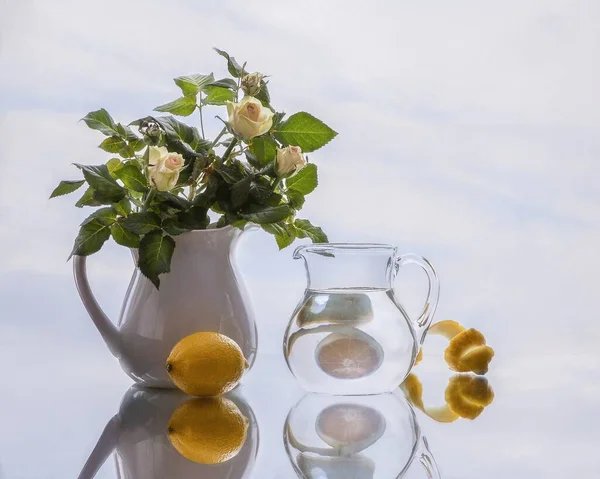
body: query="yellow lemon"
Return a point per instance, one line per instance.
(208, 430)
(206, 364)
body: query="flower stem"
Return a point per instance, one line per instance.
(201, 120)
(149, 198)
(222, 132)
(229, 149)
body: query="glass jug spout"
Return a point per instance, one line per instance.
(348, 266)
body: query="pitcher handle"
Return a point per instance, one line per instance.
(424, 319)
(427, 460)
(104, 448)
(105, 326)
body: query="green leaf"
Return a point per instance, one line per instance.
(124, 237)
(123, 207)
(66, 187)
(304, 229)
(209, 195)
(141, 223)
(233, 67)
(113, 165)
(240, 192)
(176, 130)
(284, 234)
(216, 95)
(225, 83)
(263, 94)
(100, 120)
(192, 84)
(264, 148)
(133, 178)
(193, 219)
(90, 239)
(126, 133)
(304, 130)
(183, 106)
(295, 198)
(260, 190)
(305, 181)
(113, 144)
(88, 199)
(268, 214)
(172, 200)
(277, 117)
(106, 216)
(106, 188)
(155, 253)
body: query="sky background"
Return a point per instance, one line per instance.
(468, 132)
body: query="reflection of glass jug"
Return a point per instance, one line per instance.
(349, 334)
(360, 437)
(142, 450)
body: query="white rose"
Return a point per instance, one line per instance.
(163, 168)
(289, 160)
(249, 118)
(251, 83)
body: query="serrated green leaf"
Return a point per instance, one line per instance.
(268, 214)
(124, 237)
(100, 120)
(195, 218)
(183, 106)
(233, 67)
(260, 190)
(141, 223)
(305, 229)
(216, 95)
(305, 181)
(105, 216)
(133, 178)
(106, 188)
(90, 239)
(192, 84)
(264, 149)
(113, 144)
(113, 165)
(87, 199)
(176, 130)
(155, 254)
(240, 192)
(123, 207)
(225, 83)
(172, 200)
(295, 198)
(304, 130)
(66, 187)
(284, 234)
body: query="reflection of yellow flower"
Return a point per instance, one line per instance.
(466, 396)
(467, 350)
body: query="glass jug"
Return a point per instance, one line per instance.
(363, 437)
(349, 335)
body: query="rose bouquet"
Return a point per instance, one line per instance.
(168, 177)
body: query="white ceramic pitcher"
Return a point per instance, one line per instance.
(202, 292)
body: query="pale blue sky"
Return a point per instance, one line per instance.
(469, 132)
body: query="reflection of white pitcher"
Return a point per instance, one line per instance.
(201, 293)
(358, 437)
(142, 450)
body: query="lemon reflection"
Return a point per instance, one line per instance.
(466, 396)
(160, 434)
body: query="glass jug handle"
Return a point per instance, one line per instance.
(427, 460)
(433, 293)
